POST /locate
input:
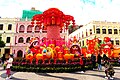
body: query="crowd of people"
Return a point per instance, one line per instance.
(97, 62)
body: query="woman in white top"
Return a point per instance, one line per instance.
(8, 66)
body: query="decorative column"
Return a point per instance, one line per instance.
(100, 29)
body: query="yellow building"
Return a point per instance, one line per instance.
(7, 30)
(100, 29)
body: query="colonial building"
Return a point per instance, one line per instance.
(7, 30)
(100, 29)
(23, 34)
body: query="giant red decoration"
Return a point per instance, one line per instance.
(54, 20)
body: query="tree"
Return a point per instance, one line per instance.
(2, 43)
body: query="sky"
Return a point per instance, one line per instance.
(83, 11)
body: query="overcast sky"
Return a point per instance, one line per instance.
(82, 10)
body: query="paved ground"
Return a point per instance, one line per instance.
(88, 75)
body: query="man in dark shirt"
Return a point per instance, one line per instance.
(99, 58)
(93, 59)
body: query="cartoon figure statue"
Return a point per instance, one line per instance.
(34, 46)
(75, 49)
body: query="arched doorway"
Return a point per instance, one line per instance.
(19, 53)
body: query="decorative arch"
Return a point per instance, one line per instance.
(37, 29)
(29, 29)
(20, 40)
(27, 40)
(19, 53)
(21, 29)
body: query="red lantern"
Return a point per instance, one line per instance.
(58, 21)
(37, 19)
(37, 22)
(32, 25)
(45, 21)
(48, 21)
(32, 22)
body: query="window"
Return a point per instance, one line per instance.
(29, 29)
(8, 40)
(21, 29)
(117, 42)
(98, 31)
(86, 33)
(100, 41)
(1, 26)
(119, 30)
(37, 29)
(103, 31)
(28, 39)
(112, 41)
(109, 31)
(82, 35)
(115, 31)
(21, 40)
(90, 31)
(10, 27)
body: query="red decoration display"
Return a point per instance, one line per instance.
(53, 17)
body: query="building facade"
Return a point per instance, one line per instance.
(7, 30)
(23, 34)
(100, 29)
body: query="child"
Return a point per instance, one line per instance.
(106, 71)
(109, 71)
(8, 66)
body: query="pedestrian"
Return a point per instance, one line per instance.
(3, 59)
(106, 70)
(109, 70)
(93, 59)
(82, 63)
(99, 58)
(8, 66)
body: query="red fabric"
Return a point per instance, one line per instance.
(8, 71)
(81, 61)
(53, 32)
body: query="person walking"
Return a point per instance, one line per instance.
(3, 59)
(8, 66)
(93, 59)
(82, 63)
(99, 58)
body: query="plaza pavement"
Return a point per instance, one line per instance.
(88, 75)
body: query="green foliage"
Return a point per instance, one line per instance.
(2, 43)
